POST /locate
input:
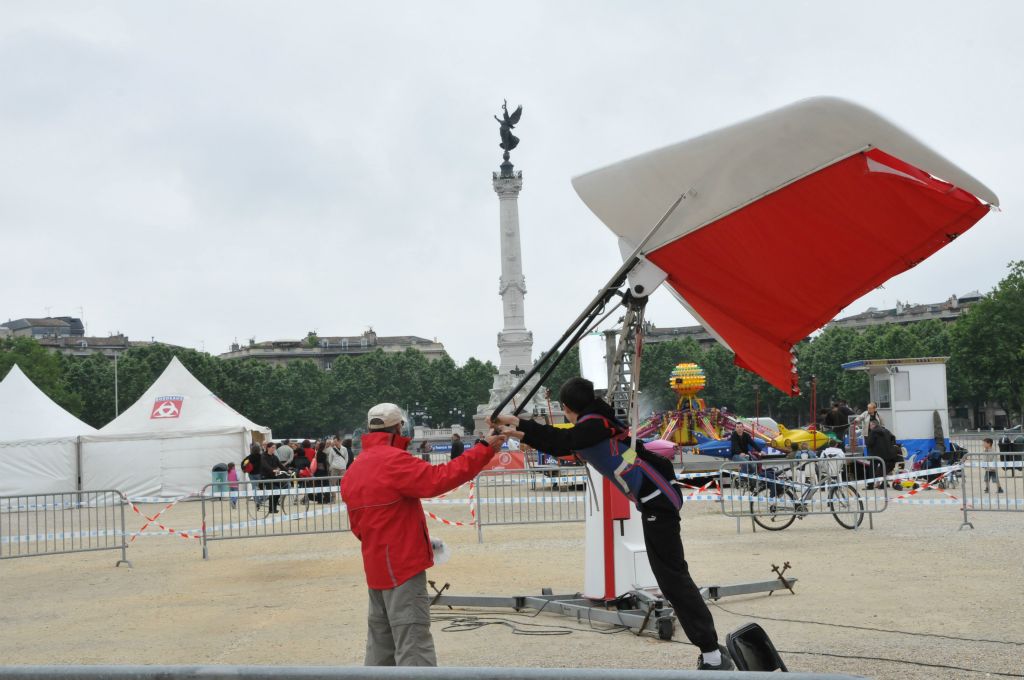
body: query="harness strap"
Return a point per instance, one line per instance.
(653, 494)
(623, 468)
(663, 484)
(618, 433)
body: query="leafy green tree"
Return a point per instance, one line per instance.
(300, 404)
(441, 388)
(568, 367)
(475, 381)
(358, 382)
(343, 393)
(92, 378)
(934, 337)
(720, 367)
(988, 345)
(248, 388)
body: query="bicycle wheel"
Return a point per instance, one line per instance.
(256, 506)
(846, 506)
(777, 512)
(286, 499)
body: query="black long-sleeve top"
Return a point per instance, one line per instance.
(879, 443)
(558, 441)
(741, 443)
(269, 462)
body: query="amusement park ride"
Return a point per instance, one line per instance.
(698, 436)
(818, 172)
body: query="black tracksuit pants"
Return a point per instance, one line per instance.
(665, 553)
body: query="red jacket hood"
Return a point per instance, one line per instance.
(385, 439)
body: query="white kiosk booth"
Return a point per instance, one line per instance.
(908, 393)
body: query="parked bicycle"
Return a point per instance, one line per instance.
(782, 496)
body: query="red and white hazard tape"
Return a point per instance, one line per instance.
(455, 523)
(927, 485)
(699, 494)
(449, 493)
(153, 520)
(697, 475)
(913, 474)
(442, 520)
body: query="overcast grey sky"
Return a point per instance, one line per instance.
(205, 171)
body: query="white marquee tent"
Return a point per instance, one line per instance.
(38, 440)
(166, 443)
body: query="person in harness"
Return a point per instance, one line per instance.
(646, 479)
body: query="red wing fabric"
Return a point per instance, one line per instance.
(769, 274)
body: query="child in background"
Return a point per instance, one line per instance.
(990, 473)
(233, 483)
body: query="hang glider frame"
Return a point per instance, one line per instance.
(622, 385)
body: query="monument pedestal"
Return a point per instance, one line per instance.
(503, 384)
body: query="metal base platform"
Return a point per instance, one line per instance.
(638, 610)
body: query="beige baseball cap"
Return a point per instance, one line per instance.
(383, 416)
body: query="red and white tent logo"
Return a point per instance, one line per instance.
(166, 407)
(507, 460)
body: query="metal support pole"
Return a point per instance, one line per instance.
(78, 463)
(202, 504)
(124, 537)
(479, 517)
(115, 384)
(966, 522)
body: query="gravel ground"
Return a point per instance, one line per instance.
(301, 600)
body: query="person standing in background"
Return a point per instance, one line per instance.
(285, 453)
(348, 451)
(990, 473)
(457, 446)
(337, 457)
(233, 483)
(271, 468)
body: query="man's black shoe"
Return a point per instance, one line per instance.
(725, 665)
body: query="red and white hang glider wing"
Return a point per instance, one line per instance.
(823, 189)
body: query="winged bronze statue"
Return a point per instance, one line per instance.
(508, 121)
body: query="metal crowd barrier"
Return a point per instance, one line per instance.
(973, 441)
(535, 496)
(992, 482)
(377, 673)
(63, 523)
(773, 493)
(280, 507)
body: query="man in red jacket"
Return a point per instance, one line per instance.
(382, 490)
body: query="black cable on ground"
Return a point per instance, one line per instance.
(469, 622)
(957, 638)
(462, 623)
(903, 661)
(564, 630)
(854, 657)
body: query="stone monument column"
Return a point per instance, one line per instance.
(515, 342)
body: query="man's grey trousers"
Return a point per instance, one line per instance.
(399, 626)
